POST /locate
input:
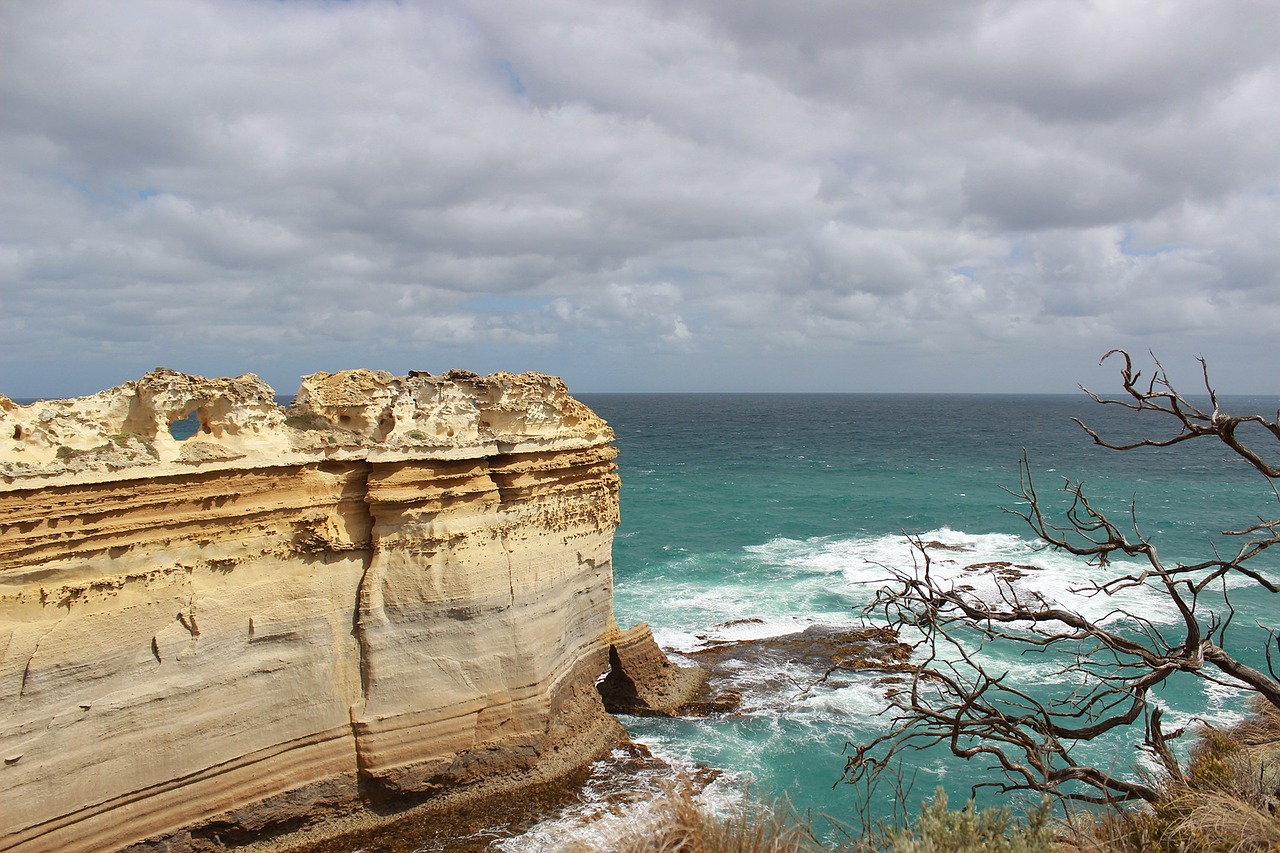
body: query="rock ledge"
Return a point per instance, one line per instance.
(397, 590)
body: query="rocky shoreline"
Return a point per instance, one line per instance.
(397, 594)
(390, 602)
(643, 682)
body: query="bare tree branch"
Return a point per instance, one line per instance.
(957, 700)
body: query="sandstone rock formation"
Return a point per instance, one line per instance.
(399, 586)
(642, 681)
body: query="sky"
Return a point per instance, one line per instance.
(640, 195)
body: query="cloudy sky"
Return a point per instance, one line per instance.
(845, 195)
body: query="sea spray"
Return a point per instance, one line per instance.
(755, 515)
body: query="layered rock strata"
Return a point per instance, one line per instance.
(643, 681)
(399, 586)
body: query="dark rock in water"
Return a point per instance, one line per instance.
(1002, 569)
(817, 645)
(740, 675)
(642, 680)
(751, 620)
(720, 702)
(791, 665)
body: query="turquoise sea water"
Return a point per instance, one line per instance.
(786, 508)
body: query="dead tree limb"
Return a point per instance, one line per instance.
(957, 698)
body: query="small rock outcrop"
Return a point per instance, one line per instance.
(397, 588)
(643, 681)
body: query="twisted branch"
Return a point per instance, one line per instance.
(955, 698)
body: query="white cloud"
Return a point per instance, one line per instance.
(979, 195)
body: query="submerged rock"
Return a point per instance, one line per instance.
(791, 665)
(643, 681)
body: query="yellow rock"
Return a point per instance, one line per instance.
(401, 585)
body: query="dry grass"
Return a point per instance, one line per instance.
(679, 823)
(1223, 823)
(1230, 802)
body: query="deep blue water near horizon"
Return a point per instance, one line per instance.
(785, 508)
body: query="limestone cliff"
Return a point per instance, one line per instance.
(398, 586)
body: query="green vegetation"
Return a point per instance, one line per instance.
(126, 441)
(129, 444)
(993, 830)
(307, 421)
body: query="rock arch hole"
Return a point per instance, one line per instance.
(186, 426)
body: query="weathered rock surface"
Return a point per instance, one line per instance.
(743, 675)
(643, 681)
(400, 586)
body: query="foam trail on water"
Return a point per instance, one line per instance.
(792, 730)
(612, 806)
(785, 585)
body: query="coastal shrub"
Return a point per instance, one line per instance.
(307, 421)
(679, 822)
(1229, 801)
(1191, 822)
(939, 829)
(128, 441)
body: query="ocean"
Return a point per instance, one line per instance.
(757, 515)
(754, 515)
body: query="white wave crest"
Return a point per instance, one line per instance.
(974, 561)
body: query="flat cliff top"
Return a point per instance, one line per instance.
(123, 433)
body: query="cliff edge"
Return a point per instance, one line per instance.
(400, 586)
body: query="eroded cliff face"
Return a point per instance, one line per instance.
(401, 585)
